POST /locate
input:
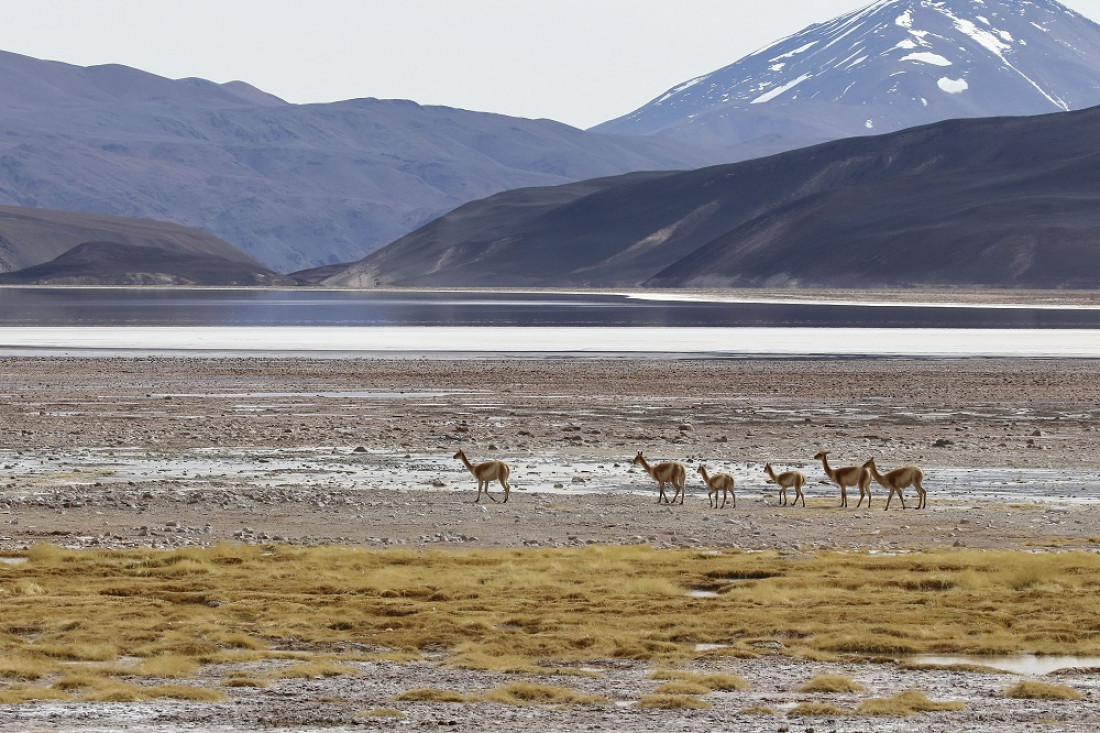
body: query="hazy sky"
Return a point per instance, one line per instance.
(577, 61)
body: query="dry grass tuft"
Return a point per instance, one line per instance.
(672, 702)
(816, 710)
(906, 704)
(244, 680)
(102, 690)
(25, 667)
(1042, 691)
(185, 692)
(382, 713)
(432, 695)
(682, 687)
(831, 683)
(170, 666)
(525, 693)
(717, 682)
(19, 695)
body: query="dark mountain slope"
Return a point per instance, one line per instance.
(1008, 202)
(111, 263)
(40, 246)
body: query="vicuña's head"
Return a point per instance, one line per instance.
(821, 454)
(870, 464)
(639, 459)
(460, 455)
(702, 469)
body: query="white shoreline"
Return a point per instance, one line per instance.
(536, 341)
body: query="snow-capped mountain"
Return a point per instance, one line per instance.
(891, 65)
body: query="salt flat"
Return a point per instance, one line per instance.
(539, 341)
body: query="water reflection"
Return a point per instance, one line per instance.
(260, 307)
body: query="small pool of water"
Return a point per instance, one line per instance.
(1016, 663)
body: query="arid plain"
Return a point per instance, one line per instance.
(115, 458)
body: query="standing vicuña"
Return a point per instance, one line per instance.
(899, 479)
(787, 480)
(486, 472)
(718, 482)
(848, 476)
(668, 472)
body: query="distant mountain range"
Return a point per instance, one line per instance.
(294, 186)
(890, 65)
(313, 187)
(40, 246)
(1009, 202)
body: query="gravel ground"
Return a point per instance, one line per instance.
(169, 452)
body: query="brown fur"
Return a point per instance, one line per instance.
(668, 472)
(486, 472)
(787, 480)
(848, 476)
(718, 482)
(899, 479)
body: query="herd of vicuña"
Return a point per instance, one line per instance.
(674, 474)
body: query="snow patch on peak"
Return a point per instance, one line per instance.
(905, 20)
(953, 86)
(792, 54)
(769, 96)
(686, 85)
(983, 37)
(924, 57)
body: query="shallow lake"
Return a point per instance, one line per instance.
(145, 320)
(264, 307)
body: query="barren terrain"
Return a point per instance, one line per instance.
(174, 452)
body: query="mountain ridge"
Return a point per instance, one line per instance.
(293, 185)
(886, 66)
(1007, 202)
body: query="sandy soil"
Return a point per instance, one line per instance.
(172, 452)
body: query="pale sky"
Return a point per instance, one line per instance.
(577, 61)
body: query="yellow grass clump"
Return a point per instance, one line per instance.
(526, 693)
(18, 695)
(831, 683)
(817, 710)
(524, 611)
(716, 682)
(382, 713)
(907, 703)
(682, 687)
(26, 667)
(672, 702)
(429, 694)
(1042, 691)
(171, 666)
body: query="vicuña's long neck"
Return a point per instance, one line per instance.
(825, 465)
(703, 473)
(874, 472)
(466, 462)
(771, 472)
(645, 464)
